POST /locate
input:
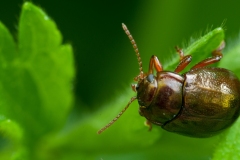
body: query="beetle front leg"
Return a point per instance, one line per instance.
(184, 60)
(216, 56)
(157, 65)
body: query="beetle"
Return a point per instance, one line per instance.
(199, 103)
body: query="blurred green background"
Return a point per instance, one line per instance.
(105, 61)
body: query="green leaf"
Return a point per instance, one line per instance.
(231, 57)
(11, 136)
(35, 80)
(35, 93)
(229, 147)
(10, 130)
(128, 134)
(7, 47)
(128, 138)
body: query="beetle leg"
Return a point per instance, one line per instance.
(148, 124)
(207, 61)
(216, 56)
(134, 87)
(180, 52)
(154, 62)
(184, 60)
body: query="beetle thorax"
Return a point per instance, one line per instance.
(160, 97)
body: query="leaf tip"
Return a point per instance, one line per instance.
(219, 29)
(27, 5)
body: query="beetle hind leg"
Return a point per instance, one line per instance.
(216, 56)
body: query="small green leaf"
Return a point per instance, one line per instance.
(10, 130)
(7, 47)
(11, 136)
(36, 82)
(7, 54)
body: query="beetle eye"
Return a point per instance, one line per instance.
(137, 86)
(150, 78)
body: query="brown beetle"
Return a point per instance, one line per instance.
(199, 103)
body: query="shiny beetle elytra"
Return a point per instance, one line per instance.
(199, 103)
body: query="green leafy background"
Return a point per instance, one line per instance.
(57, 89)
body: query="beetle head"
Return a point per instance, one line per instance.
(146, 89)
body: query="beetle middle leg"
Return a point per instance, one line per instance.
(184, 60)
(148, 124)
(216, 56)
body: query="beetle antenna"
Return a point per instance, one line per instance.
(117, 117)
(134, 44)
